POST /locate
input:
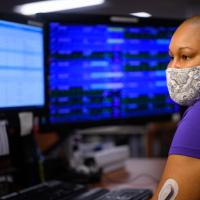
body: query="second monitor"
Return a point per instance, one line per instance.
(103, 71)
(22, 79)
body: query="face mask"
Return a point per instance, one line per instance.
(184, 84)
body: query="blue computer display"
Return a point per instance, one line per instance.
(21, 65)
(105, 72)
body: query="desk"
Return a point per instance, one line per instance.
(137, 173)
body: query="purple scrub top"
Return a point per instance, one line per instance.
(187, 137)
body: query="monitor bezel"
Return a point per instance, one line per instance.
(36, 109)
(90, 19)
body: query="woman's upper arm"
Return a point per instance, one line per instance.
(186, 172)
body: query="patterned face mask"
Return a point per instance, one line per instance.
(184, 84)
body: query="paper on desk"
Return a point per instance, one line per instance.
(26, 123)
(4, 146)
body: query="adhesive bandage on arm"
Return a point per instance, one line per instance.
(169, 190)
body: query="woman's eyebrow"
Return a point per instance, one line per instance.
(183, 48)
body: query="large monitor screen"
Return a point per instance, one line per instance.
(100, 72)
(21, 65)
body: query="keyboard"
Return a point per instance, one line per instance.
(127, 194)
(57, 190)
(92, 194)
(51, 190)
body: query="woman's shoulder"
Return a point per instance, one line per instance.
(193, 110)
(190, 118)
(187, 136)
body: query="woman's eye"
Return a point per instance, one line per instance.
(184, 57)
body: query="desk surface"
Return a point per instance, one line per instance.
(138, 173)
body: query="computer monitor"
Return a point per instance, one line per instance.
(22, 76)
(22, 88)
(107, 70)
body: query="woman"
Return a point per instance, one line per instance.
(181, 177)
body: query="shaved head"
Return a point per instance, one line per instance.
(185, 44)
(193, 20)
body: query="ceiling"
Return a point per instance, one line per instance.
(178, 9)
